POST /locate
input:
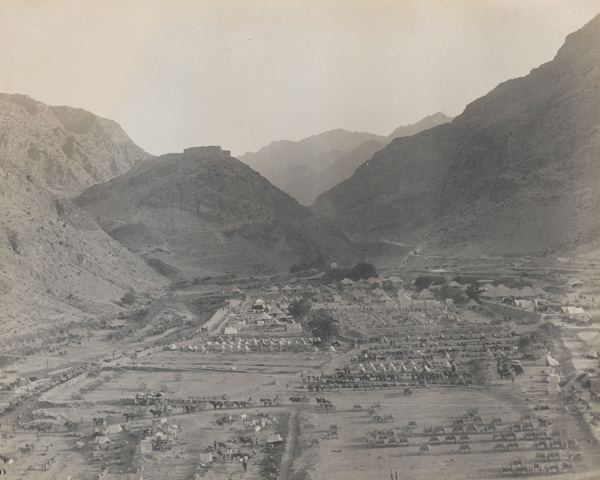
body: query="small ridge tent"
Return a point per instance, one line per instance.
(547, 361)
(112, 429)
(206, 457)
(276, 438)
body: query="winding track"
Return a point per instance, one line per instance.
(290, 450)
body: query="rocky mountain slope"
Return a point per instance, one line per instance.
(307, 168)
(56, 264)
(67, 149)
(345, 166)
(518, 171)
(204, 211)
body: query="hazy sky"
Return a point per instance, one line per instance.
(243, 73)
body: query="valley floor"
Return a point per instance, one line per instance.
(265, 404)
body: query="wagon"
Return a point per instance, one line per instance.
(162, 444)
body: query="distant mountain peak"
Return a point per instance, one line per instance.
(306, 168)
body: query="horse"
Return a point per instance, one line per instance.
(245, 440)
(155, 413)
(216, 403)
(71, 426)
(129, 416)
(99, 421)
(24, 450)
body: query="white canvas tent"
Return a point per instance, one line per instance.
(276, 438)
(547, 361)
(206, 457)
(145, 446)
(112, 429)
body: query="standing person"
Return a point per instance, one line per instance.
(396, 475)
(245, 465)
(391, 475)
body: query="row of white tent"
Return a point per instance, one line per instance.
(400, 367)
(372, 280)
(501, 290)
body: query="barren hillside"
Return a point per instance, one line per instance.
(518, 171)
(204, 211)
(57, 265)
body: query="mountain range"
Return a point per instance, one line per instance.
(517, 172)
(87, 215)
(311, 166)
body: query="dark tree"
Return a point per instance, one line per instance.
(525, 343)
(474, 292)
(300, 308)
(449, 292)
(423, 282)
(321, 324)
(363, 270)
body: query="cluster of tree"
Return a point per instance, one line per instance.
(300, 308)
(320, 323)
(360, 271)
(474, 292)
(425, 281)
(525, 342)
(448, 292)
(457, 295)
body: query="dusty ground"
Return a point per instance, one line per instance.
(255, 375)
